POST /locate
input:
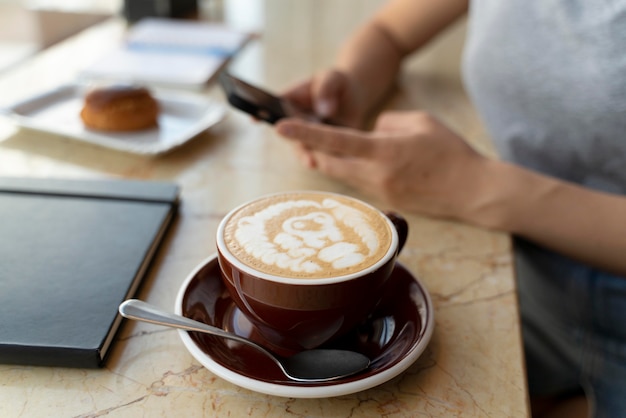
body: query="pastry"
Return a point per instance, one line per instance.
(120, 108)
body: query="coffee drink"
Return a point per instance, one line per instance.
(305, 267)
(307, 235)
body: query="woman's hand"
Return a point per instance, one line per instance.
(332, 96)
(410, 160)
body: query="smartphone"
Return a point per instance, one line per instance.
(256, 101)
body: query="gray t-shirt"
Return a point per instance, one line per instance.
(549, 79)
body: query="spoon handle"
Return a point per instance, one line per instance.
(142, 311)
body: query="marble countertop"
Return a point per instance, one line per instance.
(473, 365)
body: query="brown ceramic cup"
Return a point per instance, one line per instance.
(305, 267)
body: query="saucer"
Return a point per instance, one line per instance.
(393, 337)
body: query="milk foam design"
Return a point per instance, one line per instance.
(309, 238)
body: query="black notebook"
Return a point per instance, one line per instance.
(70, 252)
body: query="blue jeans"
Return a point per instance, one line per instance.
(574, 328)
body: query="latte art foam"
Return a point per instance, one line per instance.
(307, 235)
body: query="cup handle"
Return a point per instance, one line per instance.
(401, 226)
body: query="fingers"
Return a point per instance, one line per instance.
(320, 94)
(327, 91)
(305, 156)
(300, 95)
(351, 171)
(340, 142)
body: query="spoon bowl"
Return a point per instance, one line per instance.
(317, 365)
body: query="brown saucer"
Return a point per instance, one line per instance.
(393, 337)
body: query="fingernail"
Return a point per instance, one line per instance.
(323, 107)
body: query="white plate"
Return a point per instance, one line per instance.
(183, 115)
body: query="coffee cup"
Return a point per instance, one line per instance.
(305, 267)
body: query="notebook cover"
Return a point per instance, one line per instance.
(70, 252)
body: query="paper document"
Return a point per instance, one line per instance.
(168, 51)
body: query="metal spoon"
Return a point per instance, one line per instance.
(316, 365)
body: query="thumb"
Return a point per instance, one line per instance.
(326, 92)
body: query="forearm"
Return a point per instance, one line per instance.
(374, 53)
(578, 222)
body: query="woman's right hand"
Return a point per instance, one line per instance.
(332, 96)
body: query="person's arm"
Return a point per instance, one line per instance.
(374, 53)
(576, 221)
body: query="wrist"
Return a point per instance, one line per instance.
(371, 61)
(504, 195)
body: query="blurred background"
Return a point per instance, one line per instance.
(29, 26)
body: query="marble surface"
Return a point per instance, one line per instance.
(473, 366)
